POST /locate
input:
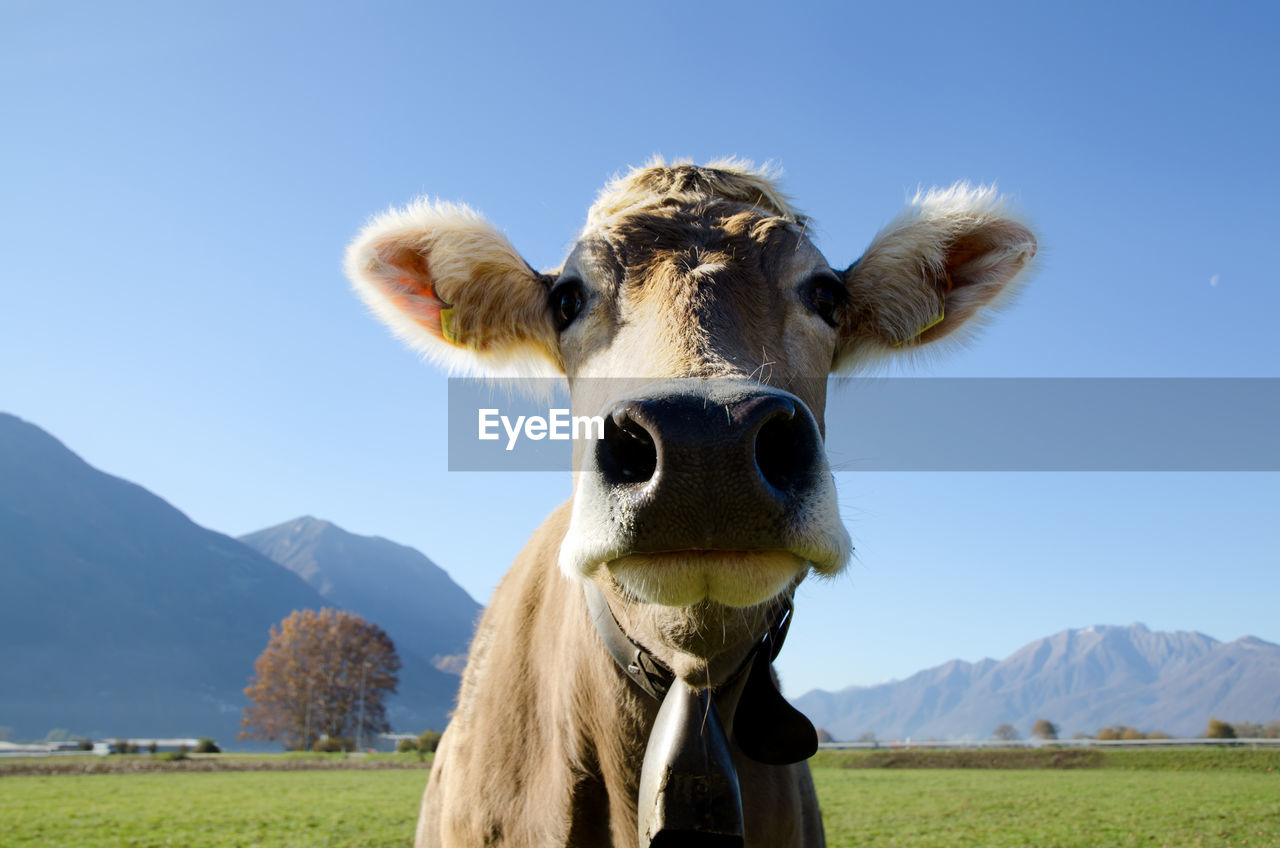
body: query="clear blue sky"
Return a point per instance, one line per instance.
(179, 181)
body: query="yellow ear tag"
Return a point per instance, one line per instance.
(446, 326)
(942, 314)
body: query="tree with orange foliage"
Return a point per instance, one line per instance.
(323, 673)
(1045, 729)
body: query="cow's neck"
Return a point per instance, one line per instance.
(689, 786)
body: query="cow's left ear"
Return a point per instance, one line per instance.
(453, 287)
(953, 252)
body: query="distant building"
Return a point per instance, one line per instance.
(39, 749)
(111, 746)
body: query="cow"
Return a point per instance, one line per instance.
(619, 690)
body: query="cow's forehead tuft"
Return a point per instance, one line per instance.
(660, 183)
(720, 231)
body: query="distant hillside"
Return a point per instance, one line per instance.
(123, 617)
(1082, 680)
(410, 597)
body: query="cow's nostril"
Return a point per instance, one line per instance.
(628, 454)
(785, 450)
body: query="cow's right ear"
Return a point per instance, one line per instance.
(951, 256)
(447, 282)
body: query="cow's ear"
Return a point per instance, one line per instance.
(952, 253)
(453, 287)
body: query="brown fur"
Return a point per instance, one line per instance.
(688, 272)
(552, 755)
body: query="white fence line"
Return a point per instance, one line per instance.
(1046, 743)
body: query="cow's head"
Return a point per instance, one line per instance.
(698, 297)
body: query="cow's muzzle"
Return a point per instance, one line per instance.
(716, 469)
(706, 489)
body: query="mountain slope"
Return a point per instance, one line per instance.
(1081, 680)
(123, 617)
(410, 597)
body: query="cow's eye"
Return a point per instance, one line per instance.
(824, 294)
(566, 303)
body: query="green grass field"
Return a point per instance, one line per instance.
(961, 807)
(1152, 798)
(367, 808)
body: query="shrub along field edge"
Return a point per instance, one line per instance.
(1143, 759)
(1161, 759)
(147, 763)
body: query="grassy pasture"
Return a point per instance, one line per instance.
(1043, 808)
(1153, 798)
(349, 808)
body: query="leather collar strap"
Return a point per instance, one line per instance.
(642, 667)
(767, 728)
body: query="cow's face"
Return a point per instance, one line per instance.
(703, 333)
(695, 315)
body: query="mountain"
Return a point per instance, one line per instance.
(408, 595)
(1082, 680)
(122, 617)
